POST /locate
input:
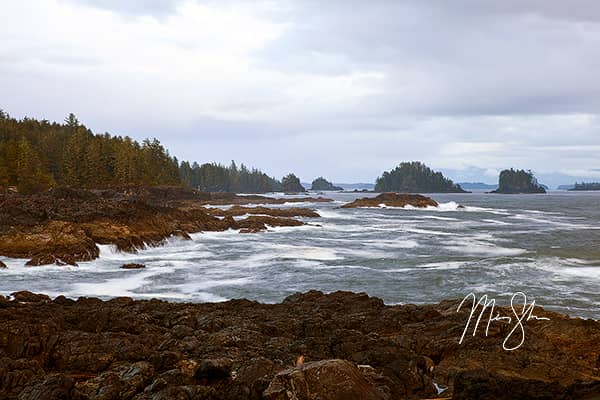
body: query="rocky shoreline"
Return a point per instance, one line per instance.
(64, 226)
(311, 346)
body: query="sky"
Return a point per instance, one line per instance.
(340, 88)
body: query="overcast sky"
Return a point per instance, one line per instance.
(340, 88)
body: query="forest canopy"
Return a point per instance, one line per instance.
(513, 181)
(38, 155)
(413, 177)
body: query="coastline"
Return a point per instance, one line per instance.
(151, 349)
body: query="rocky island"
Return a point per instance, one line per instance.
(290, 184)
(64, 226)
(585, 186)
(323, 184)
(519, 181)
(311, 346)
(415, 177)
(393, 200)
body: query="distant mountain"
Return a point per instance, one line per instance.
(477, 186)
(415, 177)
(586, 186)
(356, 186)
(565, 187)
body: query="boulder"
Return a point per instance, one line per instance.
(324, 380)
(2, 265)
(28, 297)
(132, 266)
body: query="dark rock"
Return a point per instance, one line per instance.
(2, 265)
(126, 349)
(28, 297)
(63, 226)
(393, 200)
(54, 387)
(132, 266)
(325, 380)
(211, 369)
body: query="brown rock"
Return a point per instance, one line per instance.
(391, 199)
(142, 350)
(325, 380)
(2, 265)
(28, 297)
(63, 226)
(132, 266)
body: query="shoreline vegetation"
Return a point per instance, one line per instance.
(333, 346)
(37, 155)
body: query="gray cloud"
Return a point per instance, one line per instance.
(157, 8)
(339, 88)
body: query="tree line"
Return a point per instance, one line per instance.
(213, 177)
(38, 155)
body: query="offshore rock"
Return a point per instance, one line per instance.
(391, 199)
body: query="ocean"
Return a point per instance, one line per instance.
(547, 246)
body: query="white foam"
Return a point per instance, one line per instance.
(480, 248)
(303, 252)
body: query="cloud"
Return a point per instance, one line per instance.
(339, 88)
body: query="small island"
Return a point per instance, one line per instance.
(519, 181)
(291, 184)
(323, 184)
(585, 186)
(393, 200)
(415, 177)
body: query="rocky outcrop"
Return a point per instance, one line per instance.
(393, 200)
(64, 226)
(133, 266)
(520, 181)
(323, 184)
(353, 347)
(291, 184)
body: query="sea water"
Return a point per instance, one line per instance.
(547, 246)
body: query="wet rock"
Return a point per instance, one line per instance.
(127, 349)
(63, 226)
(2, 265)
(121, 383)
(132, 266)
(54, 387)
(212, 369)
(393, 200)
(326, 380)
(28, 297)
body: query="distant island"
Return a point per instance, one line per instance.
(513, 181)
(565, 187)
(415, 177)
(477, 186)
(586, 186)
(323, 184)
(291, 184)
